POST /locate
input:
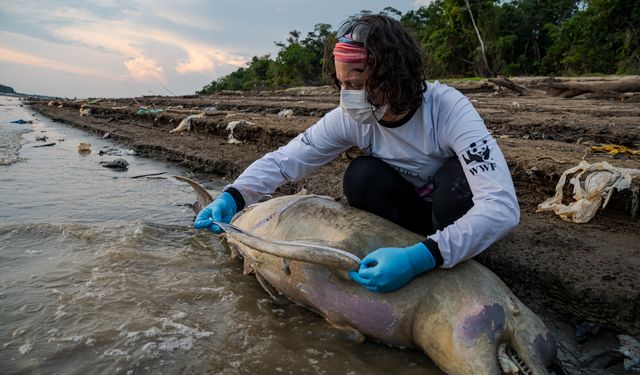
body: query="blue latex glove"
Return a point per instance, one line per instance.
(390, 268)
(222, 209)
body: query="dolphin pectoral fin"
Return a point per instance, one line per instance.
(271, 291)
(203, 196)
(340, 324)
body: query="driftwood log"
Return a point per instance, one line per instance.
(568, 89)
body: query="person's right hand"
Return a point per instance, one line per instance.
(222, 209)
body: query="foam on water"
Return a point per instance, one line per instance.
(10, 133)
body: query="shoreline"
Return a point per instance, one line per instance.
(582, 272)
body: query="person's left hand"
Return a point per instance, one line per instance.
(390, 268)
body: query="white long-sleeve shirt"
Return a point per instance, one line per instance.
(446, 125)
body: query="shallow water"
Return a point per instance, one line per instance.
(103, 273)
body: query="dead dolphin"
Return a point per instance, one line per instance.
(465, 318)
(118, 164)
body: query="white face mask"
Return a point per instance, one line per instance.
(354, 103)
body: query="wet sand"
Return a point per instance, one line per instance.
(567, 272)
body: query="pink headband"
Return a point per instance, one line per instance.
(349, 53)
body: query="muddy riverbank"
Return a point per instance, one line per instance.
(581, 272)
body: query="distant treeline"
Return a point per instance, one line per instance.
(466, 38)
(6, 90)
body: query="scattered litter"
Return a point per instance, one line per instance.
(84, 147)
(630, 347)
(148, 175)
(106, 135)
(614, 150)
(516, 104)
(45, 145)
(209, 110)
(22, 122)
(590, 192)
(60, 139)
(26, 348)
(186, 123)
(118, 164)
(231, 126)
(42, 138)
(85, 111)
(143, 111)
(114, 151)
(285, 113)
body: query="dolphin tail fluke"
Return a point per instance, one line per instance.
(203, 196)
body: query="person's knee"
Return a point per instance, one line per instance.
(359, 174)
(452, 196)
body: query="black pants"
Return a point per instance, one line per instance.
(372, 185)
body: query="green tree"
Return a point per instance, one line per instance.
(602, 38)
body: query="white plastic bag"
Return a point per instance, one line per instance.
(593, 185)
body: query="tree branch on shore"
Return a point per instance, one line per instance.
(570, 89)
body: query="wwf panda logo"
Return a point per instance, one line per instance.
(477, 151)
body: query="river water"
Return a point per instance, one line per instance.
(103, 273)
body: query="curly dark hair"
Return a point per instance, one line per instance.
(394, 61)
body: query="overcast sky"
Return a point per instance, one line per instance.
(115, 48)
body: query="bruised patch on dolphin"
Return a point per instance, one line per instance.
(489, 322)
(370, 315)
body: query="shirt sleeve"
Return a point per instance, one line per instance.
(305, 153)
(495, 209)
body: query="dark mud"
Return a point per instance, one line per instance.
(569, 273)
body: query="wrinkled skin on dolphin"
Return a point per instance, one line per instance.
(465, 318)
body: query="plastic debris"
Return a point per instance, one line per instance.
(630, 348)
(612, 149)
(209, 110)
(285, 113)
(46, 145)
(143, 111)
(593, 185)
(84, 147)
(186, 123)
(85, 111)
(22, 122)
